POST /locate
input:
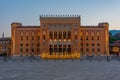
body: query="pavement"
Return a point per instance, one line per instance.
(24, 68)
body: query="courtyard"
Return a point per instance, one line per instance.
(16, 69)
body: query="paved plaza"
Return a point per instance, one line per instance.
(59, 70)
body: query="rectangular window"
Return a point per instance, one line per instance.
(44, 37)
(32, 37)
(27, 44)
(87, 44)
(98, 38)
(38, 37)
(21, 37)
(86, 37)
(21, 45)
(32, 50)
(32, 45)
(81, 44)
(27, 50)
(87, 50)
(92, 38)
(81, 37)
(21, 50)
(38, 50)
(44, 25)
(98, 44)
(81, 49)
(75, 36)
(26, 37)
(38, 44)
(92, 44)
(92, 49)
(98, 50)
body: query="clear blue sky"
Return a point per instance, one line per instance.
(27, 11)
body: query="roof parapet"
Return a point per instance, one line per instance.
(103, 24)
(16, 24)
(59, 16)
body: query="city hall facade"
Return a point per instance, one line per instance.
(58, 34)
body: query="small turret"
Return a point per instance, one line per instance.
(16, 24)
(104, 24)
(3, 35)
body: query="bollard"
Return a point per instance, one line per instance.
(63, 60)
(72, 60)
(108, 59)
(55, 60)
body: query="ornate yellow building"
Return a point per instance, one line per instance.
(60, 35)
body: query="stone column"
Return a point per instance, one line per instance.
(62, 47)
(66, 48)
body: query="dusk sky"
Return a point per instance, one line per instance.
(27, 12)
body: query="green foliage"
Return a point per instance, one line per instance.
(112, 39)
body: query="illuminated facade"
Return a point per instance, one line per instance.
(60, 35)
(115, 48)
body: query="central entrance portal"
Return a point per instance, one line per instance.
(59, 49)
(60, 52)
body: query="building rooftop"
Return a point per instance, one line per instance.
(5, 38)
(59, 16)
(115, 43)
(28, 26)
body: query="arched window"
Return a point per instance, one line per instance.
(50, 46)
(55, 35)
(21, 33)
(55, 48)
(60, 35)
(64, 35)
(69, 35)
(76, 32)
(50, 49)
(98, 38)
(86, 33)
(69, 48)
(32, 33)
(98, 33)
(64, 48)
(51, 35)
(92, 34)
(38, 50)
(44, 32)
(27, 50)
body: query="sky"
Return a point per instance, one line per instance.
(27, 12)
